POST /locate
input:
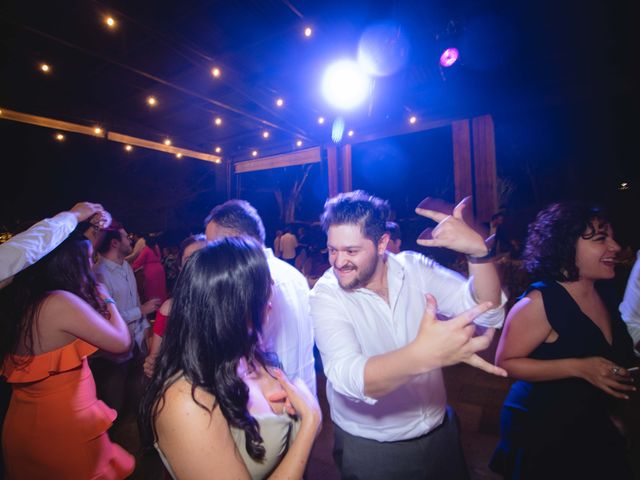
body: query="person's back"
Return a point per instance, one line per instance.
(289, 323)
(288, 244)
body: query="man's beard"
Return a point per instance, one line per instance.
(363, 274)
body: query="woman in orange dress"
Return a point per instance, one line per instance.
(54, 315)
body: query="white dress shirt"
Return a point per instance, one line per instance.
(288, 330)
(351, 326)
(29, 246)
(630, 306)
(121, 284)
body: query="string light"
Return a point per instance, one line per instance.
(215, 71)
(152, 101)
(254, 153)
(350, 133)
(128, 148)
(308, 32)
(178, 155)
(97, 131)
(299, 143)
(218, 160)
(59, 137)
(320, 120)
(167, 142)
(218, 149)
(110, 21)
(279, 102)
(45, 67)
(265, 134)
(413, 119)
(218, 121)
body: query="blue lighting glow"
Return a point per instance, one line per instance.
(345, 85)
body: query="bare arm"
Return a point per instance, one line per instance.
(78, 318)
(197, 442)
(526, 328)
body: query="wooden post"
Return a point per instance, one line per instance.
(462, 171)
(484, 157)
(332, 170)
(345, 157)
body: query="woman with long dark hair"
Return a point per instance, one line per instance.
(54, 315)
(215, 407)
(565, 343)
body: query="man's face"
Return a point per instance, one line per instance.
(215, 231)
(353, 256)
(124, 244)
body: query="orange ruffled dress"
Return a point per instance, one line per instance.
(56, 428)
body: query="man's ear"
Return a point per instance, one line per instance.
(382, 243)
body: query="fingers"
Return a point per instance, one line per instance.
(477, 362)
(432, 214)
(430, 309)
(436, 205)
(481, 342)
(459, 209)
(277, 396)
(431, 243)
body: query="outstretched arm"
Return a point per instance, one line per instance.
(28, 247)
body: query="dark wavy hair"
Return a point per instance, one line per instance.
(219, 304)
(550, 252)
(357, 208)
(66, 267)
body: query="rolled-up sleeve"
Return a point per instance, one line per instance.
(453, 292)
(336, 339)
(28, 247)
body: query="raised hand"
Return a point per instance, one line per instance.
(453, 231)
(606, 375)
(85, 210)
(452, 341)
(304, 403)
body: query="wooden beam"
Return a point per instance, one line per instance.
(345, 160)
(299, 157)
(113, 136)
(484, 163)
(49, 123)
(161, 147)
(420, 126)
(462, 171)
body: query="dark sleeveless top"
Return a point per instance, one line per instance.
(565, 421)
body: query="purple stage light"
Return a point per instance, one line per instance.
(449, 57)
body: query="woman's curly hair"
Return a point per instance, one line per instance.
(550, 253)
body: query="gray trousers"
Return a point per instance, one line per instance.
(436, 455)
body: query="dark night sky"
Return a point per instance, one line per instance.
(560, 79)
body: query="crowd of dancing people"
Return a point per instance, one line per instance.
(218, 356)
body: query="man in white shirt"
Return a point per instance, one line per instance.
(382, 347)
(28, 247)
(114, 373)
(288, 331)
(630, 306)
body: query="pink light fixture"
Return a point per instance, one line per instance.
(449, 57)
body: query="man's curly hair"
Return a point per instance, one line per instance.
(550, 253)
